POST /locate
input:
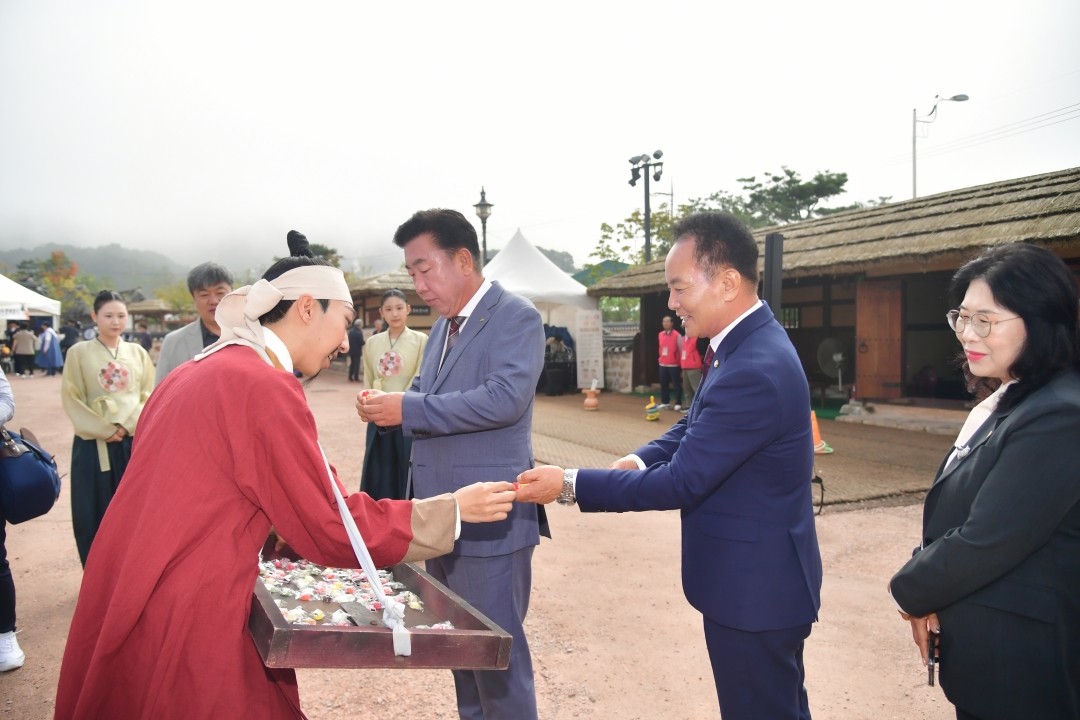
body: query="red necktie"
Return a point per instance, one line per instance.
(452, 336)
(707, 363)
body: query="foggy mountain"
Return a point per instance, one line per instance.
(127, 268)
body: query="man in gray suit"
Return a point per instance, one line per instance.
(469, 412)
(208, 284)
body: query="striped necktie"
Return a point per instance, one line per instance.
(452, 335)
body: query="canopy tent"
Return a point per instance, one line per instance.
(521, 268)
(17, 302)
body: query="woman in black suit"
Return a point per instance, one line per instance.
(997, 577)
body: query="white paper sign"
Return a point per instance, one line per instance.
(589, 348)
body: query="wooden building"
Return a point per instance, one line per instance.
(159, 315)
(876, 280)
(368, 292)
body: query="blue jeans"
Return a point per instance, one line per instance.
(7, 585)
(670, 376)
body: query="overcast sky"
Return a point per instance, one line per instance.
(208, 130)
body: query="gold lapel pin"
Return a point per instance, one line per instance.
(716, 363)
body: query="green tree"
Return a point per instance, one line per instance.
(59, 278)
(562, 259)
(626, 241)
(777, 199)
(784, 197)
(177, 297)
(322, 251)
(620, 309)
(721, 201)
(326, 253)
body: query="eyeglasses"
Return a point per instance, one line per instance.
(979, 323)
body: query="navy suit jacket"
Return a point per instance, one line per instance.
(738, 466)
(472, 422)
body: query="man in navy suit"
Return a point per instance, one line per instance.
(738, 466)
(469, 413)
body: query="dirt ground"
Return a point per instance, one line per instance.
(610, 632)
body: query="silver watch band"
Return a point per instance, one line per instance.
(567, 496)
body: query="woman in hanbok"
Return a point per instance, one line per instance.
(107, 381)
(49, 357)
(391, 361)
(228, 448)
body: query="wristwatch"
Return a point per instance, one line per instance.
(567, 496)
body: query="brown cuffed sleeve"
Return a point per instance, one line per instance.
(434, 522)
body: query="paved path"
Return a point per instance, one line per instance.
(938, 421)
(610, 632)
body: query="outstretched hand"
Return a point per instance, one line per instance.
(485, 501)
(540, 485)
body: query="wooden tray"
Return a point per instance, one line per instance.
(475, 643)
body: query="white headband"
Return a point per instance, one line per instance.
(238, 313)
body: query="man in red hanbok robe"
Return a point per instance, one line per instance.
(227, 448)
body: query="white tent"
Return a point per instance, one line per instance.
(17, 302)
(521, 268)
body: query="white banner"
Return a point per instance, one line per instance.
(589, 348)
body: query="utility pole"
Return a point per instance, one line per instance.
(915, 120)
(639, 163)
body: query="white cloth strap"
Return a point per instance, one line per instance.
(393, 611)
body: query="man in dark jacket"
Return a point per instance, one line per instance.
(356, 350)
(738, 466)
(69, 335)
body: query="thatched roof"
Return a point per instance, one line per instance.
(153, 306)
(926, 232)
(379, 284)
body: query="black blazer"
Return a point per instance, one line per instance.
(1000, 561)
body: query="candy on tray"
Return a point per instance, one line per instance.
(308, 582)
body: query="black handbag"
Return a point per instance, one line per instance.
(29, 481)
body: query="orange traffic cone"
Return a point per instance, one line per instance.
(820, 446)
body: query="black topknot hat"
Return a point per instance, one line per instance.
(298, 245)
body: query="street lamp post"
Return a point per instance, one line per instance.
(931, 117)
(483, 211)
(639, 163)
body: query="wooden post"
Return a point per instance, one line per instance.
(772, 282)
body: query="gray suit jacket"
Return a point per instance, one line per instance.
(177, 348)
(472, 422)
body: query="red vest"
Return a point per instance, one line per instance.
(669, 348)
(691, 359)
